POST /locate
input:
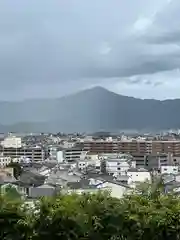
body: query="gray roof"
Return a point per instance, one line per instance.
(46, 186)
(61, 177)
(83, 184)
(30, 178)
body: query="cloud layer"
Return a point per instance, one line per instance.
(50, 48)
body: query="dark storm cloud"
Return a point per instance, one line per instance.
(56, 42)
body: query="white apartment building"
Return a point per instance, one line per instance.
(117, 166)
(138, 176)
(84, 164)
(169, 170)
(72, 154)
(12, 142)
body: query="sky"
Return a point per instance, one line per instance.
(50, 48)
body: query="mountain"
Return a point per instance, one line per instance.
(95, 109)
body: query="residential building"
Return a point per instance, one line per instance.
(155, 161)
(169, 170)
(72, 154)
(4, 161)
(11, 142)
(139, 159)
(88, 163)
(100, 146)
(33, 153)
(118, 165)
(138, 176)
(133, 146)
(116, 189)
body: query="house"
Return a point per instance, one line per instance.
(115, 188)
(169, 169)
(138, 176)
(95, 164)
(62, 177)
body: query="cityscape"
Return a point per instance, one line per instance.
(83, 163)
(89, 120)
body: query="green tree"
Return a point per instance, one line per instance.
(11, 192)
(142, 216)
(13, 220)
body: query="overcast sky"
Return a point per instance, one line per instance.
(50, 48)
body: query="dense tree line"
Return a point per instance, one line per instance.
(149, 215)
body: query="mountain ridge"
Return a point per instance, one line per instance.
(92, 109)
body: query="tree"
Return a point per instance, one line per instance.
(94, 216)
(11, 192)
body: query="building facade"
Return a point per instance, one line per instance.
(72, 154)
(32, 153)
(133, 146)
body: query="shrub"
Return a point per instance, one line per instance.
(98, 216)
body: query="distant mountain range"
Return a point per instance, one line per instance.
(95, 109)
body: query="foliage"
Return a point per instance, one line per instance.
(11, 192)
(149, 215)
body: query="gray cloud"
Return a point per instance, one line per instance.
(165, 28)
(55, 43)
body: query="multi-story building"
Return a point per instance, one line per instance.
(72, 154)
(155, 161)
(151, 161)
(11, 142)
(172, 147)
(139, 159)
(119, 165)
(33, 153)
(100, 146)
(132, 146)
(4, 161)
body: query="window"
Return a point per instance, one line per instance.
(165, 169)
(118, 168)
(174, 169)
